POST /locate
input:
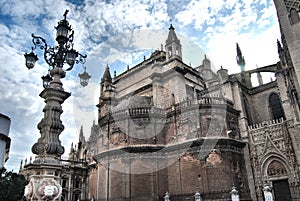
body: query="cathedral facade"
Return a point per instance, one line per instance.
(166, 130)
(164, 126)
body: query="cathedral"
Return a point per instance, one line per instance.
(169, 131)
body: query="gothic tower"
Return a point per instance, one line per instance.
(288, 17)
(173, 46)
(106, 93)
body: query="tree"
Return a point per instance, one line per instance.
(11, 185)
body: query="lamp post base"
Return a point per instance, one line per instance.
(44, 182)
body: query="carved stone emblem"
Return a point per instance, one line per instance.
(48, 190)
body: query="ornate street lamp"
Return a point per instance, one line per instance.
(56, 56)
(45, 170)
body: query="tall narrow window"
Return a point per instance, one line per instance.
(276, 107)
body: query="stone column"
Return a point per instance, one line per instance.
(46, 169)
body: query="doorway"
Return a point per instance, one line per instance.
(282, 190)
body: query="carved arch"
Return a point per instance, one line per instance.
(277, 160)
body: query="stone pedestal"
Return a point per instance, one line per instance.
(44, 183)
(45, 171)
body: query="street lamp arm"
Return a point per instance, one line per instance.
(39, 41)
(82, 58)
(49, 52)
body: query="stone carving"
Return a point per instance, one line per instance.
(28, 192)
(48, 190)
(276, 169)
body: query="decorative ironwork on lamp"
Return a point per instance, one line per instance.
(60, 54)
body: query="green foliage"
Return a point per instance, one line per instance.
(11, 185)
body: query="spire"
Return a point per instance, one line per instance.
(172, 37)
(281, 54)
(81, 136)
(106, 75)
(72, 148)
(240, 58)
(21, 164)
(173, 46)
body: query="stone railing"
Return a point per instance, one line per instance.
(137, 111)
(143, 110)
(202, 101)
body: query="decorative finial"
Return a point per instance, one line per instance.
(66, 13)
(171, 27)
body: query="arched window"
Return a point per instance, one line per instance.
(170, 51)
(276, 107)
(294, 16)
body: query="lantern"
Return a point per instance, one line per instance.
(30, 60)
(62, 31)
(71, 56)
(46, 80)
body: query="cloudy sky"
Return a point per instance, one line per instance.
(118, 33)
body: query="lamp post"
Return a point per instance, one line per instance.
(46, 169)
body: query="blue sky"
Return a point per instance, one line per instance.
(119, 33)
